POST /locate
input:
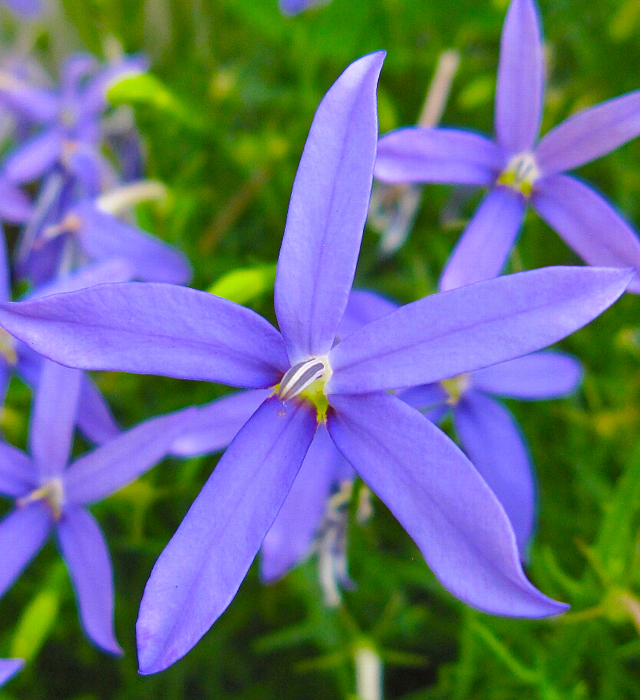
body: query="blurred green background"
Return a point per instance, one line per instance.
(224, 120)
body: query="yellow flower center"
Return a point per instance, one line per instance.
(455, 387)
(521, 174)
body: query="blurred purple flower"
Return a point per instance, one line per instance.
(425, 480)
(517, 170)
(53, 496)
(70, 119)
(8, 668)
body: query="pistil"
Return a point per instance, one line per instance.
(52, 492)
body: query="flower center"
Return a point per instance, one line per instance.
(8, 348)
(521, 174)
(52, 492)
(455, 387)
(307, 379)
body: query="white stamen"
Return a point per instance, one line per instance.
(301, 376)
(130, 195)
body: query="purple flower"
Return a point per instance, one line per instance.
(71, 121)
(517, 170)
(425, 480)
(488, 432)
(8, 668)
(294, 7)
(53, 496)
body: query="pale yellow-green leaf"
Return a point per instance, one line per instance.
(244, 284)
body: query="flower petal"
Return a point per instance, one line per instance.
(520, 79)
(441, 501)
(202, 567)
(491, 439)
(327, 212)
(290, 537)
(215, 425)
(8, 668)
(485, 244)
(424, 396)
(118, 462)
(589, 134)
(18, 475)
(22, 533)
(416, 154)
(472, 327)
(103, 236)
(95, 419)
(115, 270)
(541, 375)
(31, 160)
(15, 206)
(33, 103)
(54, 417)
(362, 308)
(588, 224)
(152, 328)
(87, 558)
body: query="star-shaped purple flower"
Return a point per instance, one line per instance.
(51, 496)
(517, 170)
(70, 119)
(425, 480)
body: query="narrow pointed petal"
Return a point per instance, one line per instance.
(5, 269)
(87, 558)
(291, 536)
(438, 155)
(22, 533)
(54, 417)
(152, 328)
(485, 244)
(446, 334)
(202, 567)
(31, 160)
(18, 475)
(98, 273)
(103, 236)
(95, 419)
(15, 206)
(362, 308)
(520, 79)
(541, 375)
(589, 134)
(491, 439)
(118, 462)
(33, 103)
(588, 224)
(425, 396)
(8, 668)
(215, 425)
(327, 212)
(441, 501)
